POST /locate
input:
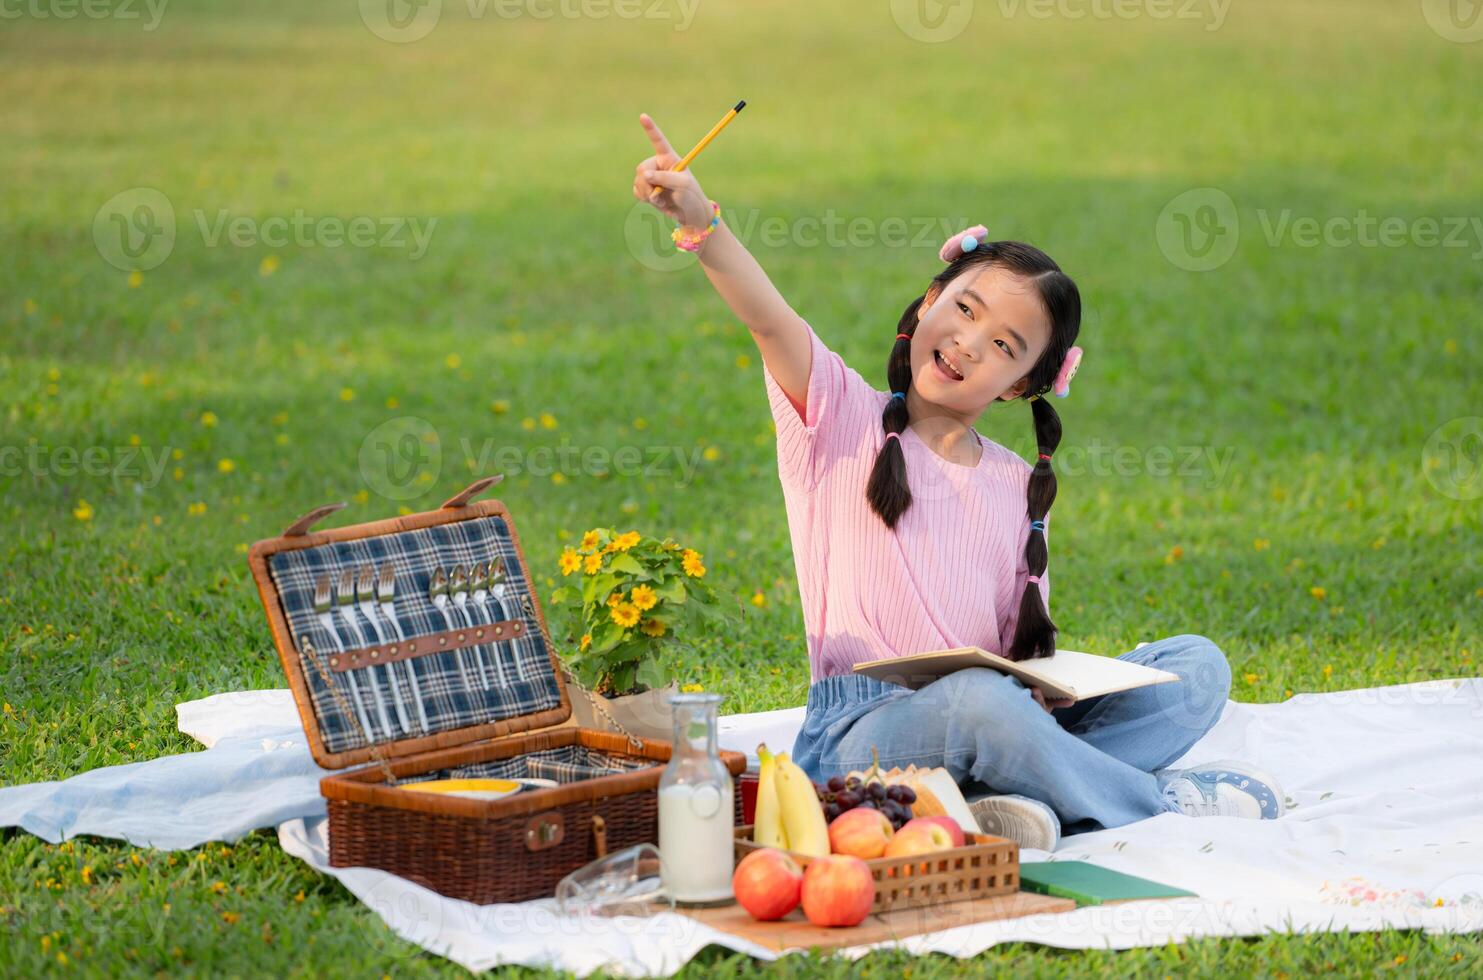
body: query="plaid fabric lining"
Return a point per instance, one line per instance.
(565, 764)
(529, 683)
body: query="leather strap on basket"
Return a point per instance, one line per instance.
(473, 490)
(303, 524)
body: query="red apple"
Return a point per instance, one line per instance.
(924, 838)
(862, 832)
(837, 890)
(953, 828)
(767, 883)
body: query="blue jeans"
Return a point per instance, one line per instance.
(1095, 763)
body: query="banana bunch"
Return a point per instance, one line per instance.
(789, 814)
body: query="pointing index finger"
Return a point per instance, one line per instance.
(656, 136)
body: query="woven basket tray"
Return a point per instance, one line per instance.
(437, 722)
(983, 867)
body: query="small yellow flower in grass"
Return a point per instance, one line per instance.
(743, 361)
(711, 453)
(558, 478)
(629, 507)
(570, 561)
(230, 918)
(528, 424)
(758, 599)
(624, 614)
(693, 567)
(83, 511)
(9, 710)
(641, 423)
(268, 265)
(591, 564)
(1378, 543)
(347, 394)
(453, 361)
(299, 895)
(87, 874)
(177, 454)
(1175, 553)
(208, 419)
(586, 642)
(548, 421)
(643, 597)
(1328, 670)
(31, 306)
(403, 509)
(589, 541)
(225, 465)
(392, 401)
(177, 474)
(1318, 592)
(135, 859)
(136, 279)
(691, 688)
(499, 407)
(279, 418)
(61, 956)
(1250, 678)
(220, 887)
(1261, 544)
(361, 496)
(196, 509)
(134, 440)
(1450, 346)
(652, 627)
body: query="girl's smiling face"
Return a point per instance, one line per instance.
(977, 339)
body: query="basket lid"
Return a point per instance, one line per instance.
(413, 633)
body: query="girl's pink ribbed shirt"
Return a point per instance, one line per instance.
(952, 571)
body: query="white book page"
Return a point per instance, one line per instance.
(1087, 675)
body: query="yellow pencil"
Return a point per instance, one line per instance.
(685, 160)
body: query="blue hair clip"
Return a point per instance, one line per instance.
(899, 394)
(969, 243)
(1037, 526)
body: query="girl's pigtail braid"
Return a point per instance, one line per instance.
(1034, 633)
(887, 491)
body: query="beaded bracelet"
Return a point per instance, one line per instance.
(690, 240)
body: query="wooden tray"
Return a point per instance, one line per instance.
(793, 931)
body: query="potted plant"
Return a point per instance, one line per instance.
(637, 595)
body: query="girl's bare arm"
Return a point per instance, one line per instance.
(780, 333)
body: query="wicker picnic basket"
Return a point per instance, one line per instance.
(433, 714)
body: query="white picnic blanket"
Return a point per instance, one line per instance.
(1385, 784)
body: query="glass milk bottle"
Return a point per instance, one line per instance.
(696, 817)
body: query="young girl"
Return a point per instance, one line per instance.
(912, 532)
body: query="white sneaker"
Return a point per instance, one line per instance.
(1027, 821)
(1224, 788)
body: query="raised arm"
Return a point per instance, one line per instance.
(780, 334)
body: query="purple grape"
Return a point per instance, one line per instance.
(852, 783)
(832, 810)
(836, 783)
(848, 800)
(908, 795)
(877, 791)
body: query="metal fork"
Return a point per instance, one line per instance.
(345, 601)
(365, 594)
(324, 603)
(386, 595)
(437, 594)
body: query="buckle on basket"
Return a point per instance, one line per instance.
(544, 830)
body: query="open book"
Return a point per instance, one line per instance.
(1065, 674)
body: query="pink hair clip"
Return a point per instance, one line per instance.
(964, 241)
(1062, 385)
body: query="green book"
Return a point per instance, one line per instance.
(1091, 884)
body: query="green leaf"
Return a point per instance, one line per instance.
(652, 674)
(605, 637)
(558, 596)
(672, 590)
(626, 564)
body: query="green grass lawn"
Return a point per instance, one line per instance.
(1245, 453)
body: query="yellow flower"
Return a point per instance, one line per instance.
(230, 918)
(196, 509)
(347, 394)
(225, 465)
(693, 567)
(643, 597)
(268, 265)
(136, 279)
(87, 874)
(208, 419)
(614, 599)
(690, 553)
(83, 511)
(499, 407)
(299, 895)
(1250, 678)
(589, 541)
(220, 887)
(452, 360)
(758, 599)
(625, 541)
(1317, 592)
(624, 614)
(1175, 553)
(570, 561)
(691, 688)
(558, 477)
(1328, 670)
(652, 627)
(586, 642)
(528, 424)
(711, 453)
(591, 564)
(1261, 544)
(548, 421)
